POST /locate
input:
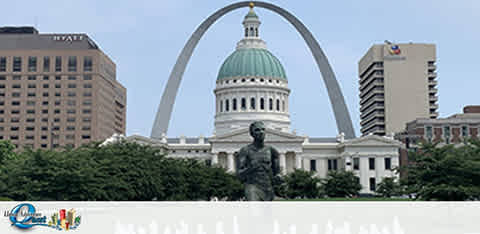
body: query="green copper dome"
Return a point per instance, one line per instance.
(251, 62)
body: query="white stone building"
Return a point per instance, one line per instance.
(252, 85)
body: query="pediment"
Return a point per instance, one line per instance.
(372, 140)
(243, 135)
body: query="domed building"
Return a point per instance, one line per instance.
(252, 85)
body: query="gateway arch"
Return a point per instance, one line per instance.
(340, 110)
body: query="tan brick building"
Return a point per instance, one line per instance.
(57, 90)
(398, 84)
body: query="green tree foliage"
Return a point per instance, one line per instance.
(120, 171)
(445, 173)
(389, 187)
(300, 184)
(341, 183)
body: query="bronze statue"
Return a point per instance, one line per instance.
(258, 165)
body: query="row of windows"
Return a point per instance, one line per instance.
(55, 128)
(46, 86)
(85, 77)
(33, 65)
(46, 94)
(446, 133)
(87, 102)
(17, 120)
(45, 111)
(43, 137)
(251, 80)
(243, 104)
(371, 163)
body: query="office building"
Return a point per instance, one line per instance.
(398, 84)
(57, 90)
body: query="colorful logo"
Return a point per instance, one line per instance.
(394, 49)
(25, 216)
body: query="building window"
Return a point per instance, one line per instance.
(356, 163)
(270, 104)
(45, 86)
(58, 86)
(371, 163)
(429, 133)
(332, 164)
(244, 104)
(227, 105)
(87, 94)
(446, 134)
(72, 78)
(31, 94)
(3, 64)
(262, 104)
(85, 136)
(32, 64)
(87, 77)
(17, 64)
(372, 184)
(87, 63)
(70, 128)
(388, 163)
(313, 165)
(3, 78)
(221, 105)
(252, 103)
(278, 105)
(464, 131)
(72, 64)
(46, 64)
(72, 86)
(234, 106)
(58, 63)
(71, 94)
(16, 86)
(15, 94)
(58, 78)
(87, 86)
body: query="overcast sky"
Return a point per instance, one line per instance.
(144, 38)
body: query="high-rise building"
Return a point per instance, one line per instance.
(57, 90)
(397, 84)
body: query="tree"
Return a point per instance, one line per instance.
(389, 187)
(341, 183)
(115, 172)
(301, 184)
(448, 173)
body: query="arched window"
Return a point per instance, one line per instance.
(234, 104)
(252, 103)
(270, 104)
(227, 105)
(244, 104)
(221, 106)
(283, 106)
(246, 32)
(256, 32)
(262, 104)
(278, 105)
(251, 32)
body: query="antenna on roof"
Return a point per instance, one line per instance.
(35, 22)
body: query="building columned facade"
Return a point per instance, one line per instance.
(398, 84)
(57, 90)
(252, 85)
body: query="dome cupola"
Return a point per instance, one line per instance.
(251, 85)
